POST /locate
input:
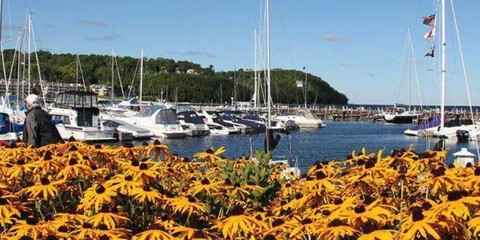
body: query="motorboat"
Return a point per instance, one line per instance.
(8, 130)
(244, 125)
(77, 116)
(126, 131)
(193, 123)
(305, 119)
(217, 125)
(162, 121)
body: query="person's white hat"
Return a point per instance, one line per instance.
(32, 99)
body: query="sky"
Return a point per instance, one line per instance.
(358, 47)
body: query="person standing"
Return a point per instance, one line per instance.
(38, 127)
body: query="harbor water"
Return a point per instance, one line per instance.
(333, 142)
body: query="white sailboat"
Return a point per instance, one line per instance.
(443, 131)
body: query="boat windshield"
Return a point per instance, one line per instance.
(76, 100)
(166, 116)
(148, 111)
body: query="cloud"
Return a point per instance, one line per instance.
(333, 38)
(107, 38)
(370, 74)
(193, 54)
(346, 65)
(51, 26)
(93, 23)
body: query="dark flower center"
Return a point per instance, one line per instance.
(361, 162)
(3, 201)
(104, 209)
(98, 146)
(73, 148)
(145, 144)
(335, 223)
(320, 175)
(104, 237)
(237, 210)
(205, 181)
(360, 209)
(147, 188)
(157, 142)
(191, 199)
(306, 221)
(438, 172)
(25, 238)
(337, 201)
(100, 189)
(369, 164)
(426, 206)
(277, 222)
(368, 227)
(128, 178)
(63, 229)
(44, 181)
(31, 220)
(143, 166)
(47, 156)
(72, 161)
(288, 185)
(128, 145)
(417, 214)
(21, 162)
(210, 151)
(135, 163)
(102, 227)
(454, 195)
(87, 225)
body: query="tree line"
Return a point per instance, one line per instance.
(182, 81)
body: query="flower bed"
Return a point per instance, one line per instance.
(79, 191)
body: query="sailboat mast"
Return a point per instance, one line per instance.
(141, 76)
(113, 78)
(410, 57)
(76, 73)
(255, 92)
(444, 63)
(29, 51)
(269, 90)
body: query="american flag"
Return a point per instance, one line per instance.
(430, 20)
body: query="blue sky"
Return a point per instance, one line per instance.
(356, 46)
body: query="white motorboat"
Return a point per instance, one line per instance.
(162, 121)
(78, 116)
(122, 128)
(304, 120)
(216, 124)
(193, 123)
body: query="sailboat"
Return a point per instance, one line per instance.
(400, 113)
(443, 130)
(271, 141)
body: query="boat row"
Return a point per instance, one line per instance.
(78, 114)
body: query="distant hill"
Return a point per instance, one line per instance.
(179, 80)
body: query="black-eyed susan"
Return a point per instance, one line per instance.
(239, 225)
(418, 224)
(125, 184)
(154, 232)
(211, 156)
(8, 212)
(96, 196)
(110, 218)
(31, 227)
(337, 229)
(456, 206)
(44, 189)
(75, 170)
(146, 195)
(205, 186)
(187, 205)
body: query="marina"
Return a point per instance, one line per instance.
(223, 120)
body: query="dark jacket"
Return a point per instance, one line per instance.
(38, 128)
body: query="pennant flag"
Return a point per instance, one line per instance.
(430, 20)
(431, 53)
(430, 33)
(299, 83)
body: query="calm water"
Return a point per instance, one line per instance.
(334, 142)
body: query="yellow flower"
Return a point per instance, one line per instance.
(7, 212)
(205, 186)
(44, 189)
(153, 233)
(337, 230)
(146, 195)
(75, 170)
(419, 224)
(186, 205)
(110, 219)
(239, 225)
(123, 183)
(210, 155)
(30, 227)
(96, 196)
